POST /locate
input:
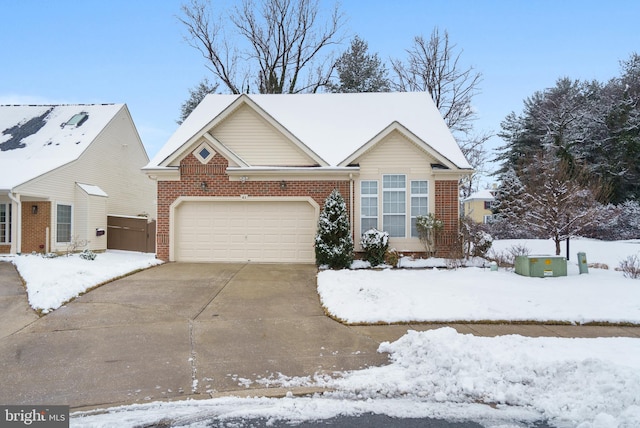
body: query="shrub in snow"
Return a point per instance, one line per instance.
(333, 243)
(476, 241)
(375, 244)
(88, 255)
(428, 227)
(630, 267)
(392, 257)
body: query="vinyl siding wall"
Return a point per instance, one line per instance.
(394, 155)
(257, 142)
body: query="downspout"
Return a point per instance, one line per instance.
(351, 199)
(16, 224)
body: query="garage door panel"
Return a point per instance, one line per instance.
(260, 231)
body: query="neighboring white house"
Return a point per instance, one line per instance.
(245, 176)
(63, 169)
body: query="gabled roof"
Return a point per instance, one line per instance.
(330, 127)
(36, 139)
(486, 194)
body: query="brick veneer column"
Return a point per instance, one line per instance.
(193, 173)
(447, 210)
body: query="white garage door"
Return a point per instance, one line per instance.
(240, 231)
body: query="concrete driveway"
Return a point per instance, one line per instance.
(177, 331)
(192, 330)
(15, 312)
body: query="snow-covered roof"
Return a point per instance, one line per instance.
(35, 139)
(333, 126)
(92, 190)
(482, 194)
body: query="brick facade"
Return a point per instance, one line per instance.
(34, 226)
(193, 173)
(447, 210)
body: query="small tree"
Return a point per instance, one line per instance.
(334, 245)
(428, 227)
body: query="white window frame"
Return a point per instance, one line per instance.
(420, 196)
(6, 224)
(391, 209)
(372, 199)
(58, 241)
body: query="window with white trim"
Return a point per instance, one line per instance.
(5, 223)
(419, 203)
(63, 223)
(368, 205)
(394, 205)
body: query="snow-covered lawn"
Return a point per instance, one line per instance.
(53, 281)
(479, 294)
(499, 381)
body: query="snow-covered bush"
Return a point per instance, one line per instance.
(333, 243)
(630, 267)
(88, 255)
(476, 241)
(428, 227)
(375, 244)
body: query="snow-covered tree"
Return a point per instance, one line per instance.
(552, 202)
(333, 243)
(592, 125)
(360, 71)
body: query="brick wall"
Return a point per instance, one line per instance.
(193, 173)
(34, 226)
(4, 249)
(446, 201)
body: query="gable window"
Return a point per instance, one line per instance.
(63, 223)
(204, 153)
(394, 205)
(5, 223)
(419, 202)
(368, 205)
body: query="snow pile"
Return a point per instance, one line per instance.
(497, 382)
(564, 380)
(53, 281)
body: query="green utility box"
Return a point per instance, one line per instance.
(541, 266)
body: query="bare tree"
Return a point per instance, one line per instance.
(474, 151)
(278, 42)
(433, 66)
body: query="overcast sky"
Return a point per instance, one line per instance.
(133, 52)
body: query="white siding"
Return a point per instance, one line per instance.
(90, 213)
(112, 162)
(395, 154)
(257, 142)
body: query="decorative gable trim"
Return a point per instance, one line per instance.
(224, 150)
(396, 126)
